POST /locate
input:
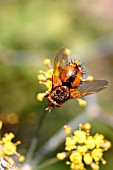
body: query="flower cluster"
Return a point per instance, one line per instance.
(45, 77)
(8, 153)
(84, 149)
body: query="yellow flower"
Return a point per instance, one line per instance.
(80, 135)
(106, 145)
(47, 61)
(67, 129)
(97, 154)
(7, 137)
(9, 148)
(81, 102)
(99, 140)
(61, 155)
(40, 96)
(41, 77)
(67, 51)
(79, 166)
(87, 126)
(94, 166)
(88, 159)
(45, 77)
(8, 151)
(90, 142)
(76, 157)
(48, 85)
(84, 149)
(70, 143)
(90, 78)
(21, 159)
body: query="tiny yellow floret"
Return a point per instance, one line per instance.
(81, 102)
(90, 78)
(106, 145)
(61, 155)
(88, 159)
(9, 148)
(95, 166)
(82, 148)
(80, 135)
(40, 96)
(76, 157)
(21, 159)
(87, 125)
(90, 142)
(68, 51)
(97, 154)
(47, 61)
(67, 129)
(70, 143)
(41, 77)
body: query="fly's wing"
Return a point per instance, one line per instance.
(88, 87)
(60, 63)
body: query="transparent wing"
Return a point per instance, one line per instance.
(88, 87)
(60, 63)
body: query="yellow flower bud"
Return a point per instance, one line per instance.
(94, 166)
(40, 96)
(61, 155)
(106, 145)
(70, 143)
(82, 149)
(90, 78)
(21, 159)
(67, 129)
(80, 135)
(78, 166)
(49, 85)
(68, 163)
(81, 102)
(68, 51)
(90, 142)
(97, 154)
(46, 61)
(76, 157)
(99, 140)
(88, 159)
(87, 125)
(103, 161)
(9, 148)
(7, 137)
(41, 77)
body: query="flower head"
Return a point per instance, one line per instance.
(8, 150)
(84, 149)
(45, 77)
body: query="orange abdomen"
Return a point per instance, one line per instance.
(71, 76)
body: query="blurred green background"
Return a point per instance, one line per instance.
(31, 30)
